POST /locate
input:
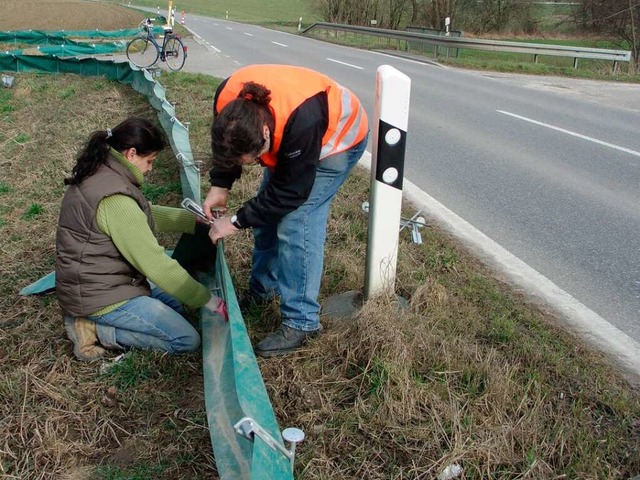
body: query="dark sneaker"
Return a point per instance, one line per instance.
(283, 340)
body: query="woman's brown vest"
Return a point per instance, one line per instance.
(90, 271)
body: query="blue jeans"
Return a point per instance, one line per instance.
(148, 322)
(288, 257)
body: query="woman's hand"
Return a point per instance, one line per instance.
(216, 198)
(220, 228)
(217, 305)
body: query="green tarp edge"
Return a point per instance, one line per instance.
(75, 49)
(233, 384)
(230, 346)
(46, 37)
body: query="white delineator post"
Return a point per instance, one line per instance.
(391, 118)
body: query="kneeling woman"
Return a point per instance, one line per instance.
(114, 282)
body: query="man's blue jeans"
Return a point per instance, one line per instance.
(148, 322)
(288, 257)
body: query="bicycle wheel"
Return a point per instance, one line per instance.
(142, 52)
(175, 53)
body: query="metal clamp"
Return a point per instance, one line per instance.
(248, 428)
(191, 206)
(198, 165)
(415, 222)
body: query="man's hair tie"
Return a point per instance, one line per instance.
(109, 134)
(248, 96)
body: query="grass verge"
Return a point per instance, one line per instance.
(469, 374)
(494, 61)
(261, 12)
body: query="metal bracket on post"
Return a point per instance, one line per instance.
(198, 165)
(248, 428)
(416, 223)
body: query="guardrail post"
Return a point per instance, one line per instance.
(387, 172)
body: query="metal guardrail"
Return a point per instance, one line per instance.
(435, 41)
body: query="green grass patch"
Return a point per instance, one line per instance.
(34, 211)
(128, 372)
(154, 192)
(67, 92)
(137, 472)
(21, 138)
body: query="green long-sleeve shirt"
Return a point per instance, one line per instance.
(120, 217)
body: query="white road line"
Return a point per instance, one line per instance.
(574, 134)
(281, 44)
(248, 34)
(426, 62)
(347, 64)
(229, 28)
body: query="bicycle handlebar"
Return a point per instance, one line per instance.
(147, 24)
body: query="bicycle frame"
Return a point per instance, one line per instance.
(160, 48)
(151, 36)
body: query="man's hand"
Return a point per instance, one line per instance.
(216, 198)
(220, 228)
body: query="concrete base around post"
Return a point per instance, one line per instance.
(342, 306)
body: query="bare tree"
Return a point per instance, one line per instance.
(478, 16)
(397, 11)
(387, 13)
(618, 18)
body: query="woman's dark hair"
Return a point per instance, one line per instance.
(238, 129)
(134, 132)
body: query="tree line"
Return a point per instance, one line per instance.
(617, 19)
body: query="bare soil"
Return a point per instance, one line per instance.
(65, 14)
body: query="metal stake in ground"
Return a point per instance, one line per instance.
(387, 171)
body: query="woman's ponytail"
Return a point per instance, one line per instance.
(134, 132)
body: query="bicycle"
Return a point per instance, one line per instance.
(144, 50)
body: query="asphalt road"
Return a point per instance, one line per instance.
(546, 168)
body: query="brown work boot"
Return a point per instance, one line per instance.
(82, 333)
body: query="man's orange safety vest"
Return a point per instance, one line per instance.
(290, 86)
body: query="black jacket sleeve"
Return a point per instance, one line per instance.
(224, 177)
(220, 176)
(295, 172)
